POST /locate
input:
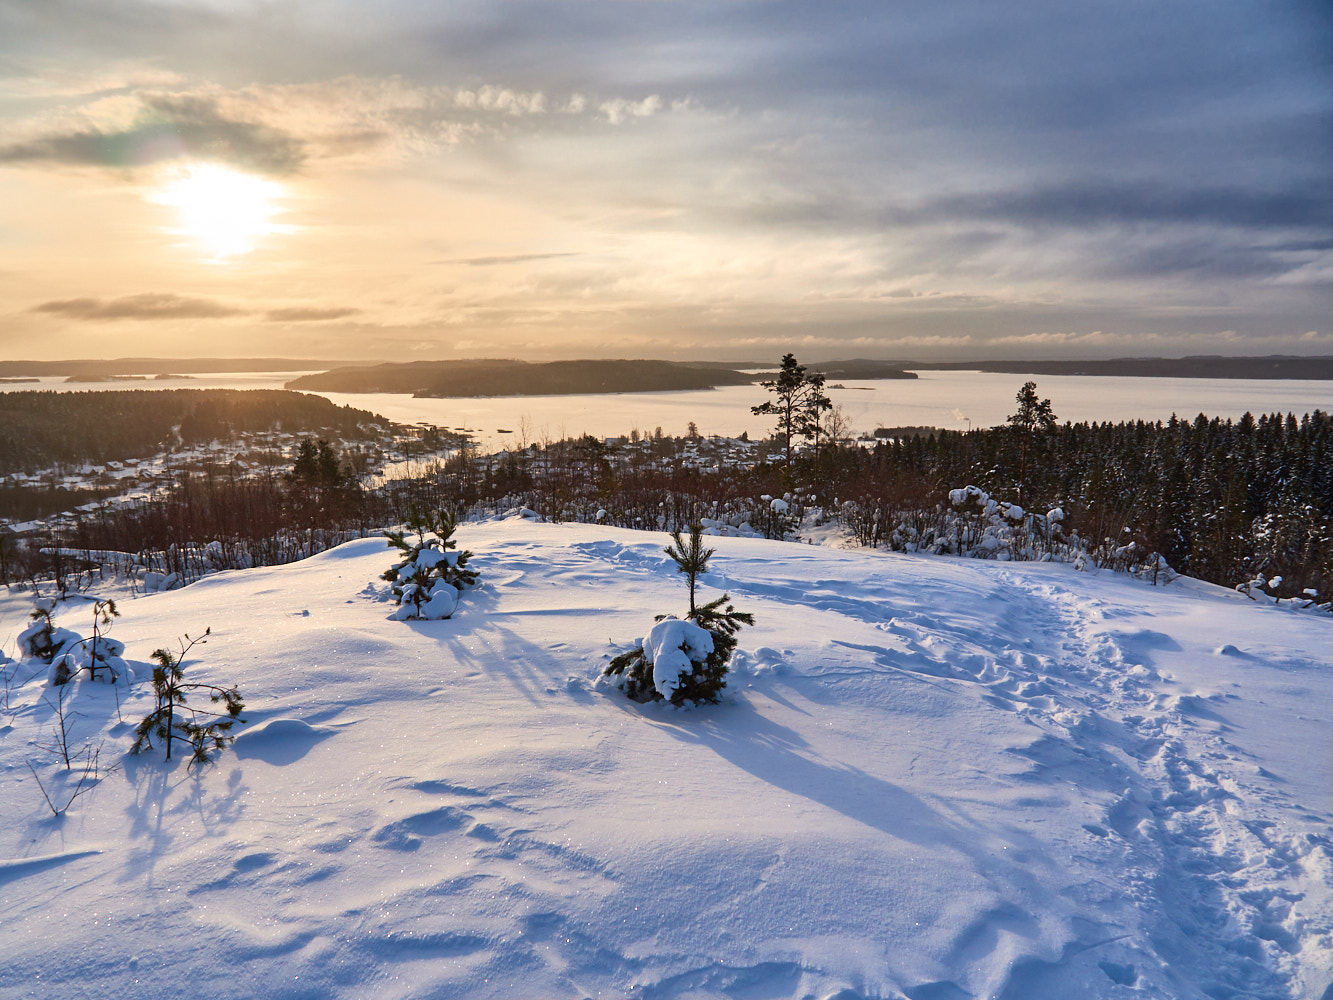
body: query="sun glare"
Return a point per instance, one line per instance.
(224, 209)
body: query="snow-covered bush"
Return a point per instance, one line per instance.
(683, 661)
(675, 649)
(158, 583)
(431, 573)
(779, 517)
(1129, 555)
(99, 655)
(43, 639)
(763, 517)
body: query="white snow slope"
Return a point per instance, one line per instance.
(931, 778)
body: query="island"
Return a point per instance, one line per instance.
(507, 377)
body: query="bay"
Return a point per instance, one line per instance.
(955, 400)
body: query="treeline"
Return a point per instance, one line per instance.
(215, 519)
(160, 366)
(1220, 500)
(657, 484)
(1224, 501)
(44, 429)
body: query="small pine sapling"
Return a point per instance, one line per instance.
(431, 572)
(202, 729)
(102, 649)
(98, 653)
(684, 661)
(41, 639)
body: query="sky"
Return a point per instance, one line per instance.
(726, 180)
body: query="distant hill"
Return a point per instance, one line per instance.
(1202, 366)
(87, 368)
(42, 429)
(506, 377)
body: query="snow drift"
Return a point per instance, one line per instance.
(930, 779)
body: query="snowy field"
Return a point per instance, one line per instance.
(954, 400)
(932, 779)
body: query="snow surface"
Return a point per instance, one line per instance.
(930, 778)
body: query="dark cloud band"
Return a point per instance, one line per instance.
(303, 314)
(169, 128)
(149, 305)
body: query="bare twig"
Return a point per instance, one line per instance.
(54, 810)
(61, 747)
(91, 769)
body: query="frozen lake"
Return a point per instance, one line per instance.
(949, 399)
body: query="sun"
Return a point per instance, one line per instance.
(224, 209)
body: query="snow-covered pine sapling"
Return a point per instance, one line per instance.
(43, 639)
(97, 653)
(101, 649)
(203, 729)
(431, 572)
(684, 660)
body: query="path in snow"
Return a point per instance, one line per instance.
(1226, 895)
(1217, 896)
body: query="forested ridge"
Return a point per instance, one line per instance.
(162, 366)
(1218, 499)
(39, 430)
(505, 377)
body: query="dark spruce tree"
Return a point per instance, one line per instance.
(1033, 416)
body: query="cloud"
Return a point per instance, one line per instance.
(148, 305)
(1127, 203)
(309, 314)
(169, 127)
(517, 258)
(277, 129)
(621, 110)
(161, 305)
(858, 166)
(501, 99)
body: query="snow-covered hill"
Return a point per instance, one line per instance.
(931, 778)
